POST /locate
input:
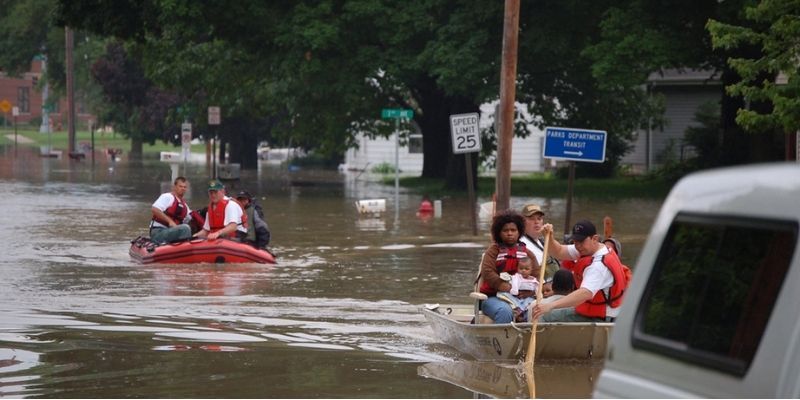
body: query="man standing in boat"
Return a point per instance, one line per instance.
(603, 282)
(534, 239)
(258, 234)
(170, 211)
(224, 217)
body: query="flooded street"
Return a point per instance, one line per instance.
(336, 317)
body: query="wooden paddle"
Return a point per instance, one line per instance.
(529, 356)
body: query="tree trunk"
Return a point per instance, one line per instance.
(434, 122)
(243, 140)
(136, 148)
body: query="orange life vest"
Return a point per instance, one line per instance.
(176, 211)
(216, 215)
(596, 307)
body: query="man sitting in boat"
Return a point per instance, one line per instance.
(602, 284)
(534, 239)
(224, 218)
(170, 215)
(503, 256)
(258, 234)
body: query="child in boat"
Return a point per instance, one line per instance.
(563, 284)
(503, 256)
(547, 288)
(523, 289)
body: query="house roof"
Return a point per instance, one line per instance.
(684, 76)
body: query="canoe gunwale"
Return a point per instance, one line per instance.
(576, 341)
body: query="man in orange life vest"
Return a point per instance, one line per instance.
(603, 283)
(169, 213)
(224, 217)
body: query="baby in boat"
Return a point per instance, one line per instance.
(523, 289)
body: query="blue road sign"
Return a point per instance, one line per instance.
(575, 144)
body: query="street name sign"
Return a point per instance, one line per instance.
(392, 113)
(575, 144)
(466, 133)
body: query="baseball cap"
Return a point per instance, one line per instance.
(582, 230)
(215, 185)
(244, 194)
(531, 209)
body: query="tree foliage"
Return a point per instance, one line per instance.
(774, 28)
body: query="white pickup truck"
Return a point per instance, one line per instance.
(714, 306)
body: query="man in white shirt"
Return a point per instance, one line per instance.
(533, 238)
(597, 279)
(224, 215)
(170, 212)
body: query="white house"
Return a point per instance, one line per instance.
(526, 154)
(684, 91)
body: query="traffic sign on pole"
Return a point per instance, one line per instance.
(575, 144)
(213, 115)
(5, 106)
(186, 139)
(393, 113)
(466, 133)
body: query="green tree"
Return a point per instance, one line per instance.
(639, 37)
(772, 76)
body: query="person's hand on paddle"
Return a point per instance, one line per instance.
(541, 309)
(547, 228)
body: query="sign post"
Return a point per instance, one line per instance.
(15, 113)
(396, 114)
(186, 142)
(214, 119)
(467, 140)
(572, 144)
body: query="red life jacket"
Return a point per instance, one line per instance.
(216, 216)
(176, 211)
(507, 261)
(596, 307)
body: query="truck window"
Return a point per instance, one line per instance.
(713, 288)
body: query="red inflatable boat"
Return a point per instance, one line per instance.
(198, 251)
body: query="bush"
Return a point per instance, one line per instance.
(383, 168)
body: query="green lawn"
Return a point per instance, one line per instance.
(101, 141)
(545, 185)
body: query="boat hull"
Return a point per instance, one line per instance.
(506, 380)
(579, 341)
(198, 251)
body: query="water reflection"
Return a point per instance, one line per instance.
(336, 317)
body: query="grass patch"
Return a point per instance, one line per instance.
(101, 141)
(538, 185)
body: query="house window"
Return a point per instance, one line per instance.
(24, 99)
(415, 143)
(713, 288)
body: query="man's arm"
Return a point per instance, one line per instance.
(571, 300)
(230, 228)
(162, 217)
(556, 249)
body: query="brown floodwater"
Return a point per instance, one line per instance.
(338, 316)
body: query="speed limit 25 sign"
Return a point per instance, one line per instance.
(466, 134)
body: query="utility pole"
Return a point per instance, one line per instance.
(508, 80)
(68, 35)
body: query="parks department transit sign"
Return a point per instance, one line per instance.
(575, 144)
